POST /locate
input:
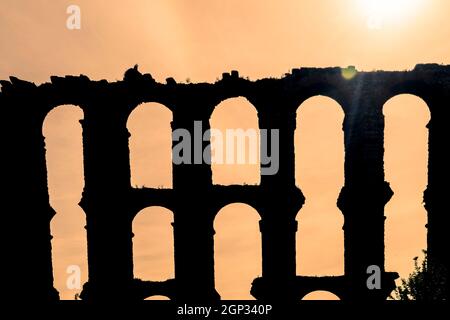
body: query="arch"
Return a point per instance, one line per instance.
(235, 143)
(237, 248)
(325, 91)
(158, 298)
(321, 295)
(417, 88)
(150, 135)
(319, 172)
(64, 157)
(406, 169)
(153, 246)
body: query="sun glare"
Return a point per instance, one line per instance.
(380, 11)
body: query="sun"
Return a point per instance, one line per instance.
(388, 7)
(380, 11)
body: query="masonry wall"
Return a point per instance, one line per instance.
(110, 203)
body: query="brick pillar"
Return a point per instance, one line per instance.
(106, 201)
(436, 194)
(26, 201)
(193, 219)
(280, 202)
(365, 194)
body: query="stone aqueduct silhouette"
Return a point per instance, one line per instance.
(110, 203)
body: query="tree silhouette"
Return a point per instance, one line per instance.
(425, 283)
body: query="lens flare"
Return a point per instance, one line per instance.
(349, 73)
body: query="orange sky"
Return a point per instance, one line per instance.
(198, 40)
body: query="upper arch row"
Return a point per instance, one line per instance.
(364, 89)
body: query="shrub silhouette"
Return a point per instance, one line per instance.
(425, 283)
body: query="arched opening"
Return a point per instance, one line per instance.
(237, 247)
(64, 157)
(235, 143)
(158, 298)
(153, 248)
(406, 169)
(150, 146)
(321, 295)
(319, 173)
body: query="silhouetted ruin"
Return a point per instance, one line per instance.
(110, 203)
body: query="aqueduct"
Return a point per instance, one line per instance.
(111, 203)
